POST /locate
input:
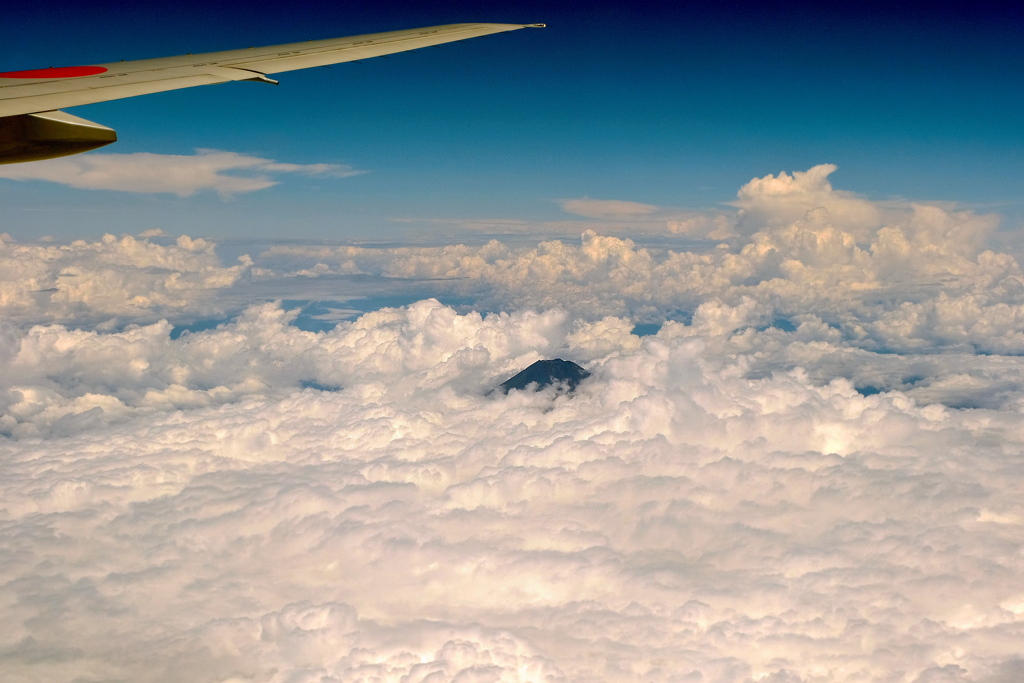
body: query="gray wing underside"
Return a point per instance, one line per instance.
(128, 79)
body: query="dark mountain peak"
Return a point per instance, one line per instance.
(546, 372)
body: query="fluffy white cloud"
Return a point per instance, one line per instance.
(787, 198)
(674, 518)
(226, 173)
(810, 475)
(115, 278)
(922, 282)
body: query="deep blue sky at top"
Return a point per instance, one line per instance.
(669, 104)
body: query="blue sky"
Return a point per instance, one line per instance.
(674, 107)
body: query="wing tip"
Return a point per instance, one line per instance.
(507, 27)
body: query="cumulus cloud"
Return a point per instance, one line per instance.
(923, 281)
(787, 198)
(113, 279)
(808, 474)
(674, 518)
(226, 173)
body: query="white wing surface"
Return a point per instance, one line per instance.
(32, 128)
(41, 90)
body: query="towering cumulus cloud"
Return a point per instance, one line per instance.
(810, 473)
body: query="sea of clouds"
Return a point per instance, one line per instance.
(799, 457)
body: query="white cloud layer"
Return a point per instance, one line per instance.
(675, 518)
(226, 173)
(921, 282)
(114, 278)
(813, 477)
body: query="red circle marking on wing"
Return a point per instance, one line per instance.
(59, 72)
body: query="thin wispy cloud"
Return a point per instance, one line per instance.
(226, 173)
(606, 208)
(648, 218)
(604, 216)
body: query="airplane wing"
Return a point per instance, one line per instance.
(29, 99)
